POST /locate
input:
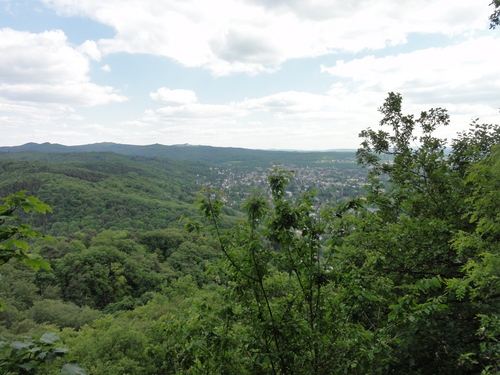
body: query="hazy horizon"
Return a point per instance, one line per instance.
(180, 144)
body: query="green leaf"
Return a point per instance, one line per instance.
(38, 205)
(20, 244)
(42, 355)
(72, 369)
(20, 345)
(28, 366)
(49, 338)
(37, 263)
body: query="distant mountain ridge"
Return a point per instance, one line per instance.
(208, 154)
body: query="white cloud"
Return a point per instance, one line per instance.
(89, 48)
(287, 102)
(173, 97)
(42, 58)
(247, 45)
(84, 94)
(42, 79)
(462, 78)
(14, 114)
(24, 122)
(45, 68)
(252, 36)
(183, 107)
(221, 113)
(290, 119)
(466, 73)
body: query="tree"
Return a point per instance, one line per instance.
(495, 16)
(113, 345)
(102, 274)
(421, 197)
(283, 285)
(388, 284)
(163, 241)
(480, 284)
(13, 233)
(26, 357)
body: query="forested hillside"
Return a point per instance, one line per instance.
(96, 191)
(401, 277)
(91, 191)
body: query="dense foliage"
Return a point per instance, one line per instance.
(95, 191)
(404, 279)
(25, 357)
(13, 232)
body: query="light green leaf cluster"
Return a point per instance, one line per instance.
(28, 357)
(13, 233)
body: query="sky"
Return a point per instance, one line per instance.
(259, 74)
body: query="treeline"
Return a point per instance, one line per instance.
(206, 154)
